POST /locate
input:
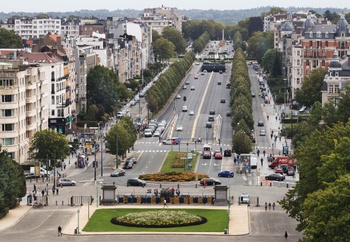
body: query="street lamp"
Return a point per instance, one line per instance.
(101, 138)
(78, 212)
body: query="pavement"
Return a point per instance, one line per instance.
(239, 214)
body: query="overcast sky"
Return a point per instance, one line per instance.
(73, 5)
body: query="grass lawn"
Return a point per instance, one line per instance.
(101, 221)
(173, 155)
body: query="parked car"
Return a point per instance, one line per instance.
(156, 133)
(132, 159)
(147, 133)
(225, 174)
(227, 153)
(128, 164)
(279, 171)
(275, 177)
(136, 182)
(65, 182)
(210, 181)
(118, 172)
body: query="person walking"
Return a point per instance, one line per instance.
(258, 152)
(34, 190)
(286, 236)
(165, 205)
(269, 206)
(262, 161)
(273, 205)
(265, 206)
(59, 230)
(264, 152)
(204, 183)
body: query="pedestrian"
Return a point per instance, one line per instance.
(258, 152)
(165, 205)
(53, 190)
(285, 235)
(265, 206)
(276, 118)
(264, 152)
(280, 137)
(220, 149)
(204, 183)
(262, 161)
(269, 206)
(267, 115)
(34, 188)
(271, 135)
(172, 191)
(273, 206)
(42, 193)
(59, 229)
(64, 167)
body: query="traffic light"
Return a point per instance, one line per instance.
(184, 98)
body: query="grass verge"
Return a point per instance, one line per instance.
(172, 156)
(100, 221)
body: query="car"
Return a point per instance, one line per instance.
(253, 94)
(279, 171)
(191, 112)
(228, 114)
(210, 182)
(263, 132)
(156, 133)
(132, 159)
(32, 176)
(118, 172)
(128, 164)
(211, 118)
(219, 83)
(244, 198)
(136, 182)
(260, 123)
(222, 100)
(148, 132)
(212, 112)
(291, 171)
(184, 108)
(184, 87)
(220, 72)
(66, 182)
(187, 83)
(225, 174)
(275, 177)
(179, 127)
(193, 88)
(209, 125)
(202, 73)
(205, 71)
(196, 76)
(178, 96)
(197, 63)
(217, 155)
(227, 153)
(172, 141)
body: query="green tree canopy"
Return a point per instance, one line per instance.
(9, 39)
(102, 87)
(48, 144)
(163, 49)
(175, 37)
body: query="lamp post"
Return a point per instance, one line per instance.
(101, 138)
(116, 148)
(78, 212)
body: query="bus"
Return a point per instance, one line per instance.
(250, 160)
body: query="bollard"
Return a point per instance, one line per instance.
(178, 185)
(225, 231)
(160, 185)
(62, 203)
(287, 185)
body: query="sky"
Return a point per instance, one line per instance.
(75, 5)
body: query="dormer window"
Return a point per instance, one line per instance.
(326, 35)
(311, 34)
(318, 34)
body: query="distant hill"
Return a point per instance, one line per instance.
(225, 16)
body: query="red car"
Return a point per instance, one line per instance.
(217, 154)
(280, 171)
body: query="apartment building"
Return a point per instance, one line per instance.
(23, 103)
(32, 28)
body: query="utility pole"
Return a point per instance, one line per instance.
(95, 162)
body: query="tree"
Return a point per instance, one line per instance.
(9, 39)
(102, 87)
(12, 183)
(92, 112)
(311, 87)
(48, 144)
(175, 37)
(259, 43)
(163, 49)
(255, 25)
(241, 142)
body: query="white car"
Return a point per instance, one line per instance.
(178, 96)
(179, 127)
(191, 112)
(184, 109)
(148, 133)
(192, 88)
(184, 87)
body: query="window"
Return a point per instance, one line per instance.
(53, 112)
(7, 98)
(8, 112)
(8, 141)
(336, 88)
(330, 89)
(8, 127)
(298, 81)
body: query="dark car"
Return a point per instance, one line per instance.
(211, 118)
(212, 112)
(118, 172)
(210, 181)
(208, 125)
(228, 114)
(32, 176)
(275, 177)
(227, 153)
(133, 159)
(260, 123)
(128, 164)
(222, 100)
(225, 174)
(136, 182)
(253, 94)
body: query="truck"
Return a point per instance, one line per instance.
(281, 160)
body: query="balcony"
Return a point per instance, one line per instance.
(31, 126)
(31, 99)
(31, 113)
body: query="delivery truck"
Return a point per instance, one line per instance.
(281, 160)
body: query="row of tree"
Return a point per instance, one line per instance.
(123, 134)
(241, 104)
(158, 95)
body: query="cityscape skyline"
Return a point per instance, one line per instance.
(68, 6)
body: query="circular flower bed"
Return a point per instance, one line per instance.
(159, 219)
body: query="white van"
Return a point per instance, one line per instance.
(244, 198)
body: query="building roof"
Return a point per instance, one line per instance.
(342, 25)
